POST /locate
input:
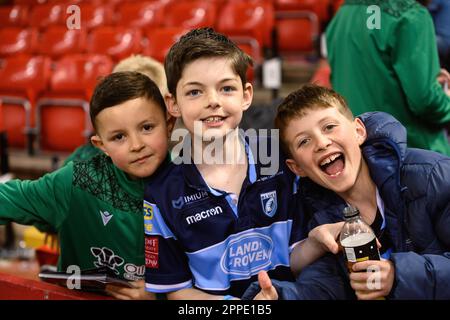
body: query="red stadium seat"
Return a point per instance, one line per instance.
(57, 41)
(292, 41)
(336, 5)
(248, 18)
(148, 14)
(62, 119)
(93, 16)
(23, 78)
(29, 2)
(190, 14)
(15, 41)
(13, 16)
(116, 42)
(320, 7)
(43, 16)
(322, 75)
(160, 40)
(251, 47)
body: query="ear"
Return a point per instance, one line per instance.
(361, 133)
(292, 165)
(172, 106)
(170, 122)
(248, 96)
(97, 141)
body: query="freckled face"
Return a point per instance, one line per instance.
(325, 146)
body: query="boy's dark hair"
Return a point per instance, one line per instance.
(119, 87)
(298, 103)
(203, 43)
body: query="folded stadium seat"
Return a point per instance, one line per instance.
(190, 14)
(29, 2)
(48, 14)
(251, 47)
(336, 5)
(57, 41)
(253, 18)
(322, 74)
(297, 33)
(116, 42)
(159, 41)
(62, 112)
(23, 78)
(94, 16)
(13, 16)
(14, 40)
(322, 8)
(144, 15)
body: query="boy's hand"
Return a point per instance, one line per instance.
(326, 235)
(375, 279)
(443, 76)
(136, 293)
(268, 291)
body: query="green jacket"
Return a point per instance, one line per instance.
(95, 208)
(391, 69)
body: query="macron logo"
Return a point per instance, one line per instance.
(203, 215)
(106, 216)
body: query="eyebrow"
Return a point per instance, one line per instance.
(320, 122)
(196, 83)
(139, 124)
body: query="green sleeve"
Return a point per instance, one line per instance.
(43, 203)
(416, 63)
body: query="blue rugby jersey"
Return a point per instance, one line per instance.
(196, 236)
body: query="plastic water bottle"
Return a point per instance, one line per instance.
(357, 239)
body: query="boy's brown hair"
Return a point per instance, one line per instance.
(119, 87)
(298, 103)
(203, 43)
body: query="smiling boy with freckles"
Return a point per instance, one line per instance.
(403, 193)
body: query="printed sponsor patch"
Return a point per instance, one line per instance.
(149, 211)
(186, 199)
(151, 252)
(248, 254)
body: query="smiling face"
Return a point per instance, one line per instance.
(211, 96)
(325, 146)
(135, 135)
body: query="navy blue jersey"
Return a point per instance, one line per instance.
(201, 237)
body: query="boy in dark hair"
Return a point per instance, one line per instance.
(403, 193)
(95, 206)
(227, 218)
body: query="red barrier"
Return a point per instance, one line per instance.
(16, 288)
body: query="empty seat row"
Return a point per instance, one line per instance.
(117, 42)
(49, 100)
(254, 18)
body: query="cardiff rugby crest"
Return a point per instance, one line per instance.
(269, 203)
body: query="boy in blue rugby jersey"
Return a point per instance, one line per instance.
(212, 225)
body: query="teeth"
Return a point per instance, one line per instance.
(330, 159)
(213, 119)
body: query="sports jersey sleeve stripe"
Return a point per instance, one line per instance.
(158, 288)
(154, 222)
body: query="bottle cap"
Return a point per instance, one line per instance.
(350, 212)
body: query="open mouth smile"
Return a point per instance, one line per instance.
(333, 164)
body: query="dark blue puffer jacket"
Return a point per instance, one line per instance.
(415, 187)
